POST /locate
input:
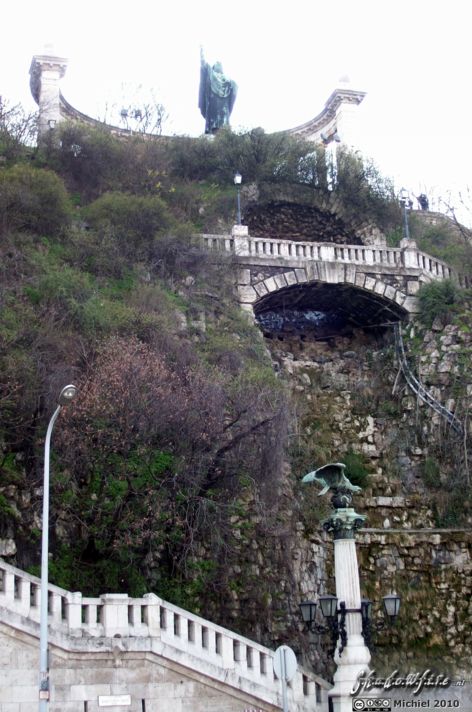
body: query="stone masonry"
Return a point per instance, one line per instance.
(142, 654)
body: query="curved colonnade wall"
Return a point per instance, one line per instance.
(334, 123)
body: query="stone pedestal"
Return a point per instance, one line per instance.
(240, 235)
(409, 253)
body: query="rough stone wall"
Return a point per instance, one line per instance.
(300, 222)
(431, 570)
(351, 399)
(298, 212)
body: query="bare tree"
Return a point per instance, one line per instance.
(18, 129)
(465, 209)
(137, 110)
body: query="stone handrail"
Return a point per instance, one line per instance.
(407, 257)
(119, 615)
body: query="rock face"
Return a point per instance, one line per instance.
(352, 407)
(300, 222)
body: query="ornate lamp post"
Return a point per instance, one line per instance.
(346, 614)
(65, 396)
(237, 182)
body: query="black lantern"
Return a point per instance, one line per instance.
(391, 606)
(328, 605)
(335, 618)
(308, 611)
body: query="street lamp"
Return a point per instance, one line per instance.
(237, 182)
(65, 396)
(335, 626)
(404, 202)
(336, 617)
(391, 607)
(346, 613)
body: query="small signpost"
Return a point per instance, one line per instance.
(285, 667)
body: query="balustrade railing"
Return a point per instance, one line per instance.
(120, 615)
(371, 255)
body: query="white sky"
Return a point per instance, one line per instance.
(412, 57)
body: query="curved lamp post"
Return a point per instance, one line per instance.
(65, 396)
(237, 182)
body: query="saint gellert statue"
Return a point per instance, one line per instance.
(216, 96)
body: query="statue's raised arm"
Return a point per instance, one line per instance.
(216, 95)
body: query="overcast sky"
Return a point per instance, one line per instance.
(411, 57)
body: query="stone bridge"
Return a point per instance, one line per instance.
(367, 285)
(142, 654)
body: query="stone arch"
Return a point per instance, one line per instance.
(387, 298)
(330, 273)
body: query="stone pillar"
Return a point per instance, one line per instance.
(355, 657)
(409, 253)
(115, 614)
(152, 614)
(240, 235)
(46, 71)
(74, 612)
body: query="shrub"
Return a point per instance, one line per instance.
(133, 220)
(33, 199)
(431, 472)
(439, 300)
(89, 159)
(356, 470)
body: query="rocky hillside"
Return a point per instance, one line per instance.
(177, 469)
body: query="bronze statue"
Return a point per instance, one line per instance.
(216, 96)
(332, 477)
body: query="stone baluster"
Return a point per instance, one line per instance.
(35, 596)
(90, 615)
(8, 592)
(284, 250)
(24, 587)
(297, 687)
(135, 618)
(227, 656)
(55, 606)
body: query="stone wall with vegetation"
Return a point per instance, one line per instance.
(178, 468)
(354, 406)
(431, 571)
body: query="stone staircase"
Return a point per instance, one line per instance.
(90, 638)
